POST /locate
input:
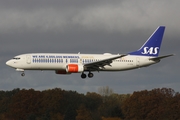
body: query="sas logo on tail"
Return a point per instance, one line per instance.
(151, 50)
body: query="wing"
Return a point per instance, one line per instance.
(95, 66)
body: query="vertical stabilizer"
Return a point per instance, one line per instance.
(152, 46)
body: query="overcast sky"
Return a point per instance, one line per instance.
(89, 26)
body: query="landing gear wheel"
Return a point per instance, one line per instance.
(22, 74)
(83, 75)
(90, 75)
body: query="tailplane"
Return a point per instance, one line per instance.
(152, 46)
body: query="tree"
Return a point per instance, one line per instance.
(154, 104)
(24, 104)
(105, 91)
(83, 113)
(93, 101)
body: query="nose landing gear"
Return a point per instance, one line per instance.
(21, 70)
(23, 74)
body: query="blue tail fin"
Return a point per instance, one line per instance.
(152, 46)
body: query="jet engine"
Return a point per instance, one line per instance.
(74, 68)
(71, 68)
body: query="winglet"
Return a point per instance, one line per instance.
(152, 46)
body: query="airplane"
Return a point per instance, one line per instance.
(66, 63)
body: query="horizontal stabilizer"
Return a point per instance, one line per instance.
(161, 57)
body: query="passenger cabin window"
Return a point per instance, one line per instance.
(35, 60)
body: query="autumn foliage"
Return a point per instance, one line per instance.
(58, 104)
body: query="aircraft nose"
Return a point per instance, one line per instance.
(8, 63)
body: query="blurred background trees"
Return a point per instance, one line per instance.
(58, 104)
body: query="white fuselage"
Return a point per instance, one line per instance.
(52, 61)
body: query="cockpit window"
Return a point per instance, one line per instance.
(16, 58)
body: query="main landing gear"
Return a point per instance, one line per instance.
(90, 75)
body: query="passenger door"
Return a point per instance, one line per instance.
(28, 59)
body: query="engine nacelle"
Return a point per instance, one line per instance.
(74, 68)
(61, 72)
